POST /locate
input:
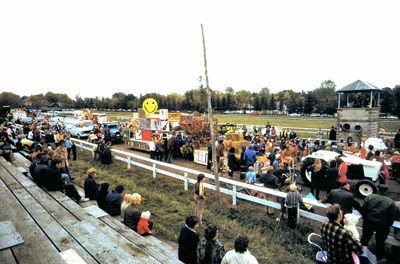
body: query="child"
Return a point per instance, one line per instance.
(68, 145)
(143, 227)
(350, 221)
(251, 176)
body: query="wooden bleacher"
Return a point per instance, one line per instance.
(51, 223)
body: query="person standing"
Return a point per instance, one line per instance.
(188, 241)
(320, 134)
(379, 213)
(397, 140)
(152, 148)
(338, 240)
(68, 146)
(240, 254)
(210, 250)
(232, 161)
(292, 203)
(344, 198)
(318, 174)
(332, 135)
(199, 197)
(331, 176)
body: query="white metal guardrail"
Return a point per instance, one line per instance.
(228, 186)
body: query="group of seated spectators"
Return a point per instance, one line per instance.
(113, 203)
(49, 169)
(209, 249)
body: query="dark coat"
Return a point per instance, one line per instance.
(318, 179)
(91, 188)
(187, 251)
(379, 209)
(113, 203)
(232, 160)
(331, 176)
(132, 217)
(52, 179)
(39, 174)
(344, 198)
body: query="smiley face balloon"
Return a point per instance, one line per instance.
(150, 106)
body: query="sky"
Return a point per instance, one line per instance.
(96, 48)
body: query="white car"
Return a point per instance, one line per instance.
(79, 129)
(366, 173)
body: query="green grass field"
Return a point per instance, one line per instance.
(170, 204)
(280, 121)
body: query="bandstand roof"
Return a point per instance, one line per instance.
(359, 86)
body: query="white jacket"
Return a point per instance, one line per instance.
(233, 257)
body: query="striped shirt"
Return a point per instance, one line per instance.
(293, 199)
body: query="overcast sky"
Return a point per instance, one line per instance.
(96, 48)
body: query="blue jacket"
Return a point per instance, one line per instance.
(250, 157)
(113, 203)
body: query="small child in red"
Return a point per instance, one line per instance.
(143, 225)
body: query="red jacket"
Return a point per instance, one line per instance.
(143, 226)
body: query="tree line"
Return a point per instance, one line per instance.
(322, 100)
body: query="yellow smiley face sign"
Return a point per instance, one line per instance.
(150, 106)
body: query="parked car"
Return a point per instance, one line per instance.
(79, 129)
(366, 174)
(116, 136)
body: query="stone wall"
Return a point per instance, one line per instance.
(367, 120)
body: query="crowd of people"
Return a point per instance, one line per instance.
(50, 169)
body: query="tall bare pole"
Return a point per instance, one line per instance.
(211, 121)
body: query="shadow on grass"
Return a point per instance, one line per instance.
(170, 204)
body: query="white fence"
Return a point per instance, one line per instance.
(182, 173)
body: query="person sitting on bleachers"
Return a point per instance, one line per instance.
(144, 226)
(125, 202)
(38, 174)
(132, 214)
(114, 200)
(101, 197)
(53, 180)
(90, 186)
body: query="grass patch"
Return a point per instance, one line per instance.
(280, 121)
(170, 204)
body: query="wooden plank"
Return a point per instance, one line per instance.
(112, 235)
(30, 251)
(56, 233)
(9, 237)
(6, 256)
(97, 243)
(156, 250)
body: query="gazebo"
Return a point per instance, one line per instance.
(360, 87)
(359, 115)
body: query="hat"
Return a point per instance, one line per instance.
(351, 218)
(277, 156)
(146, 215)
(251, 168)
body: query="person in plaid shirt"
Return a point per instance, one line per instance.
(338, 241)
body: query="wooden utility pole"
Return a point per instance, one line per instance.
(211, 121)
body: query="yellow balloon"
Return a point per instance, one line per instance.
(150, 106)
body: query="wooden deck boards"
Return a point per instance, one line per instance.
(67, 225)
